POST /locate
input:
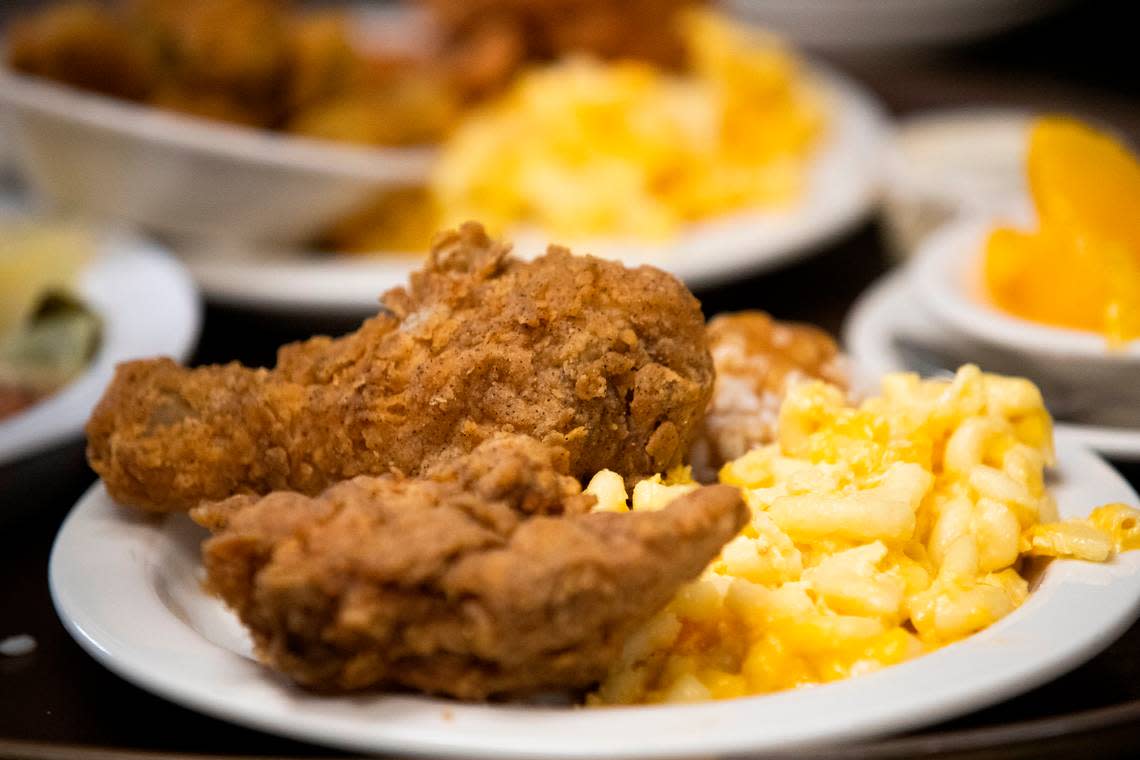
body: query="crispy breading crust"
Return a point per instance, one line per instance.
(757, 360)
(484, 579)
(606, 362)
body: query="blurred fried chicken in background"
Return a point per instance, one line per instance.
(83, 44)
(488, 41)
(607, 362)
(254, 62)
(758, 360)
(486, 577)
(265, 63)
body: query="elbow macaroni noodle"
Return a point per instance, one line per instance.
(879, 532)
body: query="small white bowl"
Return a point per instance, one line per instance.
(189, 177)
(946, 275)
(948, 163)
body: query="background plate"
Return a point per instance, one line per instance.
(844, 185)
(149, 307)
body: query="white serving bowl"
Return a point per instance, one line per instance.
(1074, 365)
(184, 176)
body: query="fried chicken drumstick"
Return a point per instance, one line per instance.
(606, 362)
(486, 577)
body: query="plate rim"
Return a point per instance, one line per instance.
(1074, 579)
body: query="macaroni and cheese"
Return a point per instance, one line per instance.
(879, 532)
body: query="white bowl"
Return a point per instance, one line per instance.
(947, 163)
(185, 176)
(946, 275)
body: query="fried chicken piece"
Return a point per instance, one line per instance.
(758, 360)
(487, 41)
(220, 59)
(336, 91)
(82, 44)
(258, 63)
(607, 362)
(232, 46)
(485, 578)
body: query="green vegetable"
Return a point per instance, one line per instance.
(53, 346)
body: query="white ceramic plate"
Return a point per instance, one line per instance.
(844, 185)
(889, 308)
(127, 588)
(148, 305)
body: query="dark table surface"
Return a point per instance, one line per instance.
(59, 703)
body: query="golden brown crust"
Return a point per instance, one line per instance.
(606, 362)
(484, 579)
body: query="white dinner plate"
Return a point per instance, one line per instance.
(844, 184)
(148, 306)
(127, 586)
(889, 308)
